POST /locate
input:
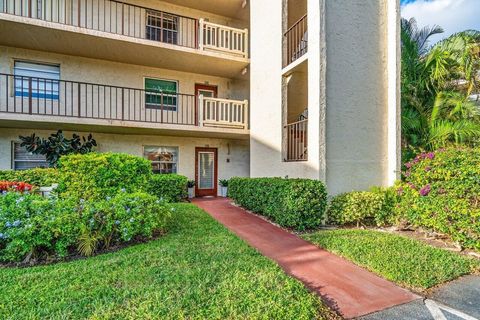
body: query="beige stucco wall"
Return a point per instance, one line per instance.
(118, 74)
(350, 109)
(356, 94)
(233, 155)
(266, 96)
(111, 73)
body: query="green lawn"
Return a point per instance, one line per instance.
(405, 261)
(198, 270)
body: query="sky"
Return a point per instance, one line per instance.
(452, 15)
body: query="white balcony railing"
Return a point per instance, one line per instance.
(225, 113)
(216, 37)
(121, 18)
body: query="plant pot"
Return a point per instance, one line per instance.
(224, 191)
(191, 193)
(46, 191)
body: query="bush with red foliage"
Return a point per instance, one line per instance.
(6, 186)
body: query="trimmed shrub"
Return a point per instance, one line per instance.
(169, 187)
(35, 228)
(97, 175)
(361, 208)
(292, 203)
(441, 192)
(118, 219)
(38, 177)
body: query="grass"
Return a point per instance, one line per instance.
(199, 270)
(405, 261)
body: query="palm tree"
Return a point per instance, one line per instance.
(436, 83)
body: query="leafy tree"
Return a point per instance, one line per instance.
(436, 84)
(58, 145)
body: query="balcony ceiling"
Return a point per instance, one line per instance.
(227, 8)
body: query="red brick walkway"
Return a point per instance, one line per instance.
(345, 287)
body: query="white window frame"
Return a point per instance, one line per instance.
(166, 107)
(52, 85)
(163, 16)
(177, 150)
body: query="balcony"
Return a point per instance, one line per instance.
(296, 135)
(295, 41)
(41, 100)
(104, 28)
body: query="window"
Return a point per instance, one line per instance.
(43, 79)
(23, 160)
(161, 94)
(162, 27)
(164, 159)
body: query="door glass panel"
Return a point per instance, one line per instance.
(206, 93)
(206, 170)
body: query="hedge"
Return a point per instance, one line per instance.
(169, 187)
(97, 175)
(362, 207)
(34, 228)
(441, 192)
(37, 177)
(292, 203)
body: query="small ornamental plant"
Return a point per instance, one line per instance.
(12, 186)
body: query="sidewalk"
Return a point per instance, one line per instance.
(345, 287)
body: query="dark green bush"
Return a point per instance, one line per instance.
(37, 177)
(33, 227)
(97, 175)
(169, 187)
(361, 208)
(441, 192)
(293, 203)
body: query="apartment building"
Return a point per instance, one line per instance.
(210, 89)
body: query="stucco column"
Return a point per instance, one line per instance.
(394, 104)
(316, 86)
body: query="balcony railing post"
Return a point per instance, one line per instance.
(246, 120)
(123, 104)
(246, 48)
(79, 99)
(201, 110)
(30, 9)
(30, 92)
(201, 34)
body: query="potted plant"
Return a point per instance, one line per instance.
(191, 189)
(224, 186)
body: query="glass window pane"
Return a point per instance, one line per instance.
(161, 94)
(42, 77)
(22, 159)
(206, 169)
(164, 159)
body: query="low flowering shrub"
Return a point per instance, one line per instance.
(6, 186)
(38, 177)
(441, 192)
(97, 175)
(293, 203)
(121, 218)
(34, 228)
(362, 208)
(169, 187)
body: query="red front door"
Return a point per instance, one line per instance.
(206, 172)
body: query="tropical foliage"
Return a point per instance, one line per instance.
(58, 145)
(437, 82)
